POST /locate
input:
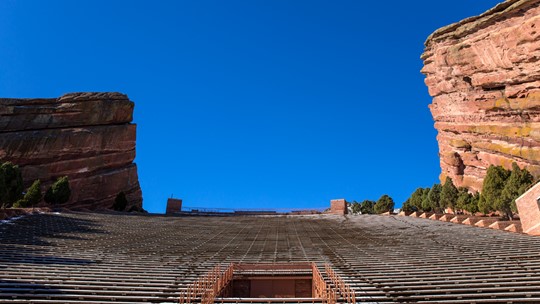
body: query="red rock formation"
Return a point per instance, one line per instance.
(86, 136)
(484, 76)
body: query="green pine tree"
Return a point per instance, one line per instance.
(449, 195)
(366, 207)
(11, 184)
(516, 184)
(466, 201)
(434, 198)
(32, 197)
(425, 200)
(355, 207)
(384, 204)
(492, 188)
(407, 206)
(59, 192)
(415, 201)
(473, 205)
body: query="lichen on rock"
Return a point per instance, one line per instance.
(484, 76)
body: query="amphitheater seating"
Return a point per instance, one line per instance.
(111, 258)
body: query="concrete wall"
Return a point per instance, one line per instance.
(529, 210)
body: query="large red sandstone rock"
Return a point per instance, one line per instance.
(86, 136)
(70, 110)
(484, 76)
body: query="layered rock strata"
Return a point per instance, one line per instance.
(87, 136)
(484, 76)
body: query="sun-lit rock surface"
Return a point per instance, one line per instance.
(86, 136)
(484, 76)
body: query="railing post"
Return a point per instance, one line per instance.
(342, 287)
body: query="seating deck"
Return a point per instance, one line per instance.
(109, 258)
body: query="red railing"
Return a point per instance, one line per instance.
(343, 288)
(208, 286)
(320, 288)
(220, 281)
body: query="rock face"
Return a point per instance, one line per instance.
(86, 136)
(484, 76)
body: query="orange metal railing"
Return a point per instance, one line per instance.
(208, 286)
(320, 288)
(343, 288)
(220, 280)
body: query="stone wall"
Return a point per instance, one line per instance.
(484, 76)
(338, 206)
(173, 205)
(87, 136)
(529, 210)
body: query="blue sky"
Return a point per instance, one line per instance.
(259, 104)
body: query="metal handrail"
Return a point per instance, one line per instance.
(251, 210)
(343, 288)
(208, 286)
(321, 289)
(211, 284)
